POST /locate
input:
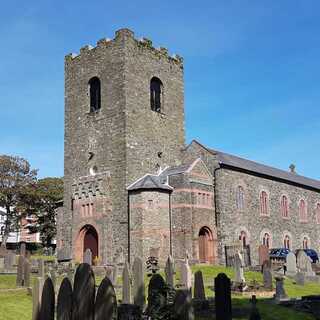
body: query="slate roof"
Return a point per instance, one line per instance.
(232, 161)
(150, 181)
(175, 170)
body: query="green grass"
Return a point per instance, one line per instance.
(16, 304)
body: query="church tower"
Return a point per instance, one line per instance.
(124, 117)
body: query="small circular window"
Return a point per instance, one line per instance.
(93, 170)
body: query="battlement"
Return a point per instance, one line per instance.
(126, 35)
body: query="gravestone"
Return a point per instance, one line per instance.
(169, 271)
(222, 289)
(186, 276)
(47, 301)
(9, 260)
(291, 264)
(114, 277)
(106, 302)
(36, 297)
(23, 249)
(304, 264)
(41, 267)
(64, 303)
(263, 254)
(254, 313)
(83, 293)
(199, 292)
(87, 258)
(20, 274)
(126, 289)
(239, 272)
(138, 283)
(267, 278)
(157, 295)
(300, 278)
(2, 264)
(26, 273)
(182, 306)
(280, 292)
(3, 251)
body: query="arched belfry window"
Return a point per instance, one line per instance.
(95, 94)
(156, 92)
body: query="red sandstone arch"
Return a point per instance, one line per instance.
(207, 246)
(86, 239)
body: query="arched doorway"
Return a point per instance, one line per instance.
(206, 246)
(87, 239)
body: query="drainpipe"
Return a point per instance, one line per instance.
(170, 225)
(128, 210)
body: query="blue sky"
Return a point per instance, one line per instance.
(252, 72)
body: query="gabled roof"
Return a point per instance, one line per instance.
(150, 181)
(231, 161)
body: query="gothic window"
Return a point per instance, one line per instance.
(284, 207)
(318, 213)
(156, 92)
(302, 210)
(263, 203)
(266, 240)
(243, 238)
(305, 243)
(240, 198)
(286, 242)
(95, 94)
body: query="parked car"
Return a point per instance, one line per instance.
(310, 253)
(278, 253)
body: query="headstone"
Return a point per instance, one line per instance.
(87, 258)
(41, 267)
(138, 283)
(106, 302)
(304, 264)
(9, 260)
(199, 292)
(3, 251)
(280, 292)
(186, 276)
(267, 278)
(20, 275)
(2, 259)
(83, 293)
(239, 273)
(36, 297)
(182, 306)
(157, 295)
(47, 301)
(222, 289)
(64, 303)
(169, 271)
(291, 263)
(23, 249)
(126, 288)
(263, 254)
(26, 273)
(115, 271)
(254, 313)
(300, 278)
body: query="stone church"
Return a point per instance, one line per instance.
(133, 186)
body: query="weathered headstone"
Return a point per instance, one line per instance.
(23, 249)
(83, 293)
(64, 303)
(138, 283)
(157, 295)
(26, 273)
(300, 278)
(267, 278)
(126, 287)
(291, 264)
(3, 251)
(36, 297)
(186, 276)
(115, 271)
(304, 264)
(106, 302)
(280, 292)
(254, 313)
(222, 289)
(47, 301)
(20, 273)
(182, 306)
(41, 267)
(87, 258)
(239, 273)
(263, 254)
(169, 271)
(199, 292)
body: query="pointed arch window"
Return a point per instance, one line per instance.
(266, 240)
(284, 207)
(95, 94)
(286, 241)
(263, 203)
(243, 237)
(305, 243)
(156, 93)
(302, 210)
(240, 198)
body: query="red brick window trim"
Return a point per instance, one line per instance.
(286, 242)
(266, 240)
(264, 210)
(284, 204)
(318, 213)
(303, 211)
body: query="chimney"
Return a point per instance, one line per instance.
(292, 168)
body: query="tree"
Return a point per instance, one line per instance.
(42, 201)
(15, 175)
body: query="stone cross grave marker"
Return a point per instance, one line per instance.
(138, 283)
(47, 301)
(222, 289)
(199, 292)
(64, 303)
(126, 287)
(36, 297)
(304, 264)
(263, 254)
(87, 258)
(239, 273)
(169, 271)
(186, 276)
(106, 302)
(83, 293)
(291, 264)
(182, 306)
(267, 277)
(280, 292)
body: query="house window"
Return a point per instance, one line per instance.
(286, 242)
(284, 207)
(266, 240)
(95, 94)
(318, 213)
(302, 210)
(156, 92)
(240, 198)
(263, 203)
(305, 244)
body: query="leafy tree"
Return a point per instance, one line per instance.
(42, 200)
(15, 175)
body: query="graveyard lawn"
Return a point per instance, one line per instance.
(17, 304)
